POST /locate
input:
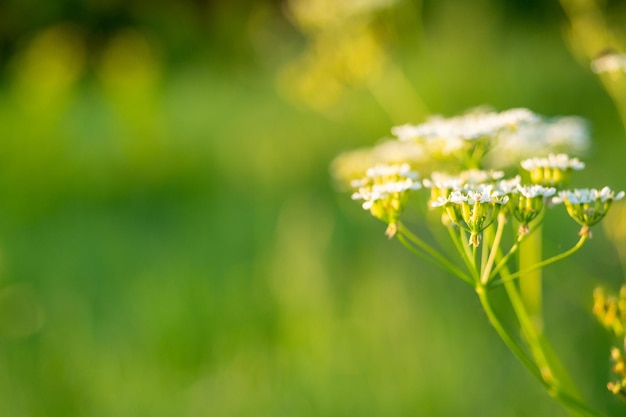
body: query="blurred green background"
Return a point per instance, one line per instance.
(171, 241)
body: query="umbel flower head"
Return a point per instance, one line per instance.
(587, 206)
(442, 184)
(385, 191)
(473, 210)
(468, 137)
(526, 203)
(569, 134)
(477, 139)
(470, 126)
(552, 171)
(382, 176)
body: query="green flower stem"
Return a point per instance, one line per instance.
(503, 261)
(531, 290)
(461, 247)
(528, 329)
(426, 257)
(425, 251)
(506, 337)
(552, 373)
(474, 252)
(495, 247)
(484, 253)
(546, 262)
(468, 252)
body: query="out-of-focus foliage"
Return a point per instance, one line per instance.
(171, 243)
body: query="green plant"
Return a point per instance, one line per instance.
(486, 171)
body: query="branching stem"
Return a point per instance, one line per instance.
(425, 251)
(543, 263)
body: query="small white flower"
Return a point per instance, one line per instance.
(507, 186)
(386, 170)
(607, 194)
(474, 197)
(472, 210)
(527, 202)
(367, 194)
(469, 126)
(554, 161)
(396, 186)
(587, 196)
(485, 194)
(554, 170)
(465, 180)
(587, 206)
(385, 192)
(457, 197)
(567, 134)
(532, 191)
(443, 181)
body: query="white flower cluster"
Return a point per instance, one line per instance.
(383, 177)
(466, 127)
(473, 210)
(587, 206)
(560, 134)
(534, 191)
(509, 185)
(466, 179)
(484, 194)
(477, 139)
(381, 170)
(558, 161)
(383, 181)
(587, 196)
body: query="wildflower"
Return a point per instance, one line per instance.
(442, 184)
(385, 190)
(468, 136)
(471, 126)
(567, 134)
(471, 210)
(526, 203)
(552, 171)
(587, 206)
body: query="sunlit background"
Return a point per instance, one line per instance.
(171, 240)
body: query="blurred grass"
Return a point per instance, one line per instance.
(172, 245)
